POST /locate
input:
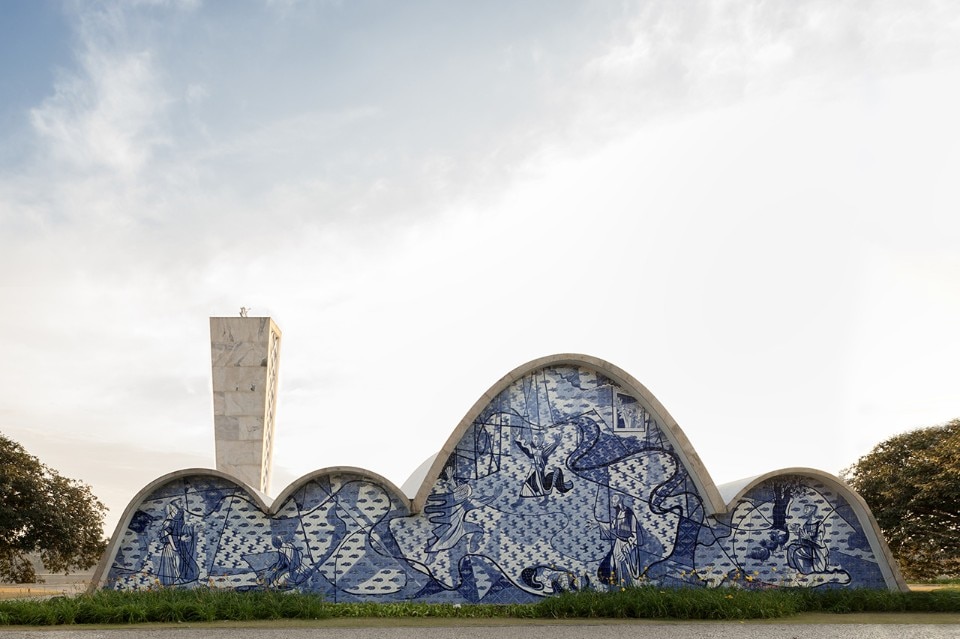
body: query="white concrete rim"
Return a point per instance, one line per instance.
(678, 439)
(888, 565)
(361, 473)
(103, 568)
(714, 503)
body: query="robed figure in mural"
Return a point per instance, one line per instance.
(286, 569)
(541, 481)
(179, 544)
(621, 566)
(448, 512)
(808, 554)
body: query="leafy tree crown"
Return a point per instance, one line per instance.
(912, 484)
(45, 514)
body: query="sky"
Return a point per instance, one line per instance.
(752, 207)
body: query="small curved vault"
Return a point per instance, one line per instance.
(567, 474)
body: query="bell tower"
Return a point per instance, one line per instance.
(245, 355)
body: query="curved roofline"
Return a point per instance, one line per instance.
(106, 560)
(890, 569)
(717, 500)
(301, 481)
(267, 506)
(412, 486)
(691, 461)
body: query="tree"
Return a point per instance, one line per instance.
(42, 512)
(912, 484)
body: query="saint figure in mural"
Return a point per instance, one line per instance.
(449, 511)
(541, 481)
(808, 554)
(286, 569)
(179, 543)
(630, 415)
(621, 566)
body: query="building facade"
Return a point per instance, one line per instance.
(571, 477)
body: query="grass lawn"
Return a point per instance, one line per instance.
(204, 605)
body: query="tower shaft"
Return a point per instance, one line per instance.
(245, 354)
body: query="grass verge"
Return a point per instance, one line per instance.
(107, 607)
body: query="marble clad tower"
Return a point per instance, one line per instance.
(245, 354)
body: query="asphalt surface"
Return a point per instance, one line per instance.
(567, 630)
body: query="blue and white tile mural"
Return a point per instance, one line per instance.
(564, 481)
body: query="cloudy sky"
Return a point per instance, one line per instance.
(752, 207)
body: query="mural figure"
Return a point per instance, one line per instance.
(286, 570)
(179, 542)
(621, 566)
(808, 554)
(630, 416)
(541, 482)
(448, 511)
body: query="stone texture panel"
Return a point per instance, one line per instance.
(244, 354)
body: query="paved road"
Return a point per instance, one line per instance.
(639, 630)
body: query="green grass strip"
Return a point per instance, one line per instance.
(648, 602)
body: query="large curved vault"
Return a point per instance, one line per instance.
(566, 474)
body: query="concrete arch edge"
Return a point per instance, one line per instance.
(363, 473)
(734, 491)
(267, 506)
(103, 567)
(668, 424)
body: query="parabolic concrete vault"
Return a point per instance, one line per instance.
(566, 474)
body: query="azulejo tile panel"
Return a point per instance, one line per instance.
(564, 481)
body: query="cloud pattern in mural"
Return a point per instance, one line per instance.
(564, 481)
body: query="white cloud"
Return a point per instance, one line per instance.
(196, 92)
(678, 57)
(106, 116)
